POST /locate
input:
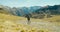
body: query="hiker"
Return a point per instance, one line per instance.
(28, 18)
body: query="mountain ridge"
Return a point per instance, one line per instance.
(34, 10)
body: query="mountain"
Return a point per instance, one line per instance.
(52, 9)
(4, 9)
(21, 11)
(34, 8)
(46, 11)
(33, 11)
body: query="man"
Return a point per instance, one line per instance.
(28, 18)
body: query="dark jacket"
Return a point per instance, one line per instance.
(28, 17)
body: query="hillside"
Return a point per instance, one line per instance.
(10, 23)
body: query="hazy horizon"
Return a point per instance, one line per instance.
(28, 3)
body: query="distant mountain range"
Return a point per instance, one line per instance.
(18, 11)
(34, 11)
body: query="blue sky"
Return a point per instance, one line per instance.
(27, 3)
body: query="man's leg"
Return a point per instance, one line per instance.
(29, 22)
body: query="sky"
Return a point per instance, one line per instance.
(28, 3)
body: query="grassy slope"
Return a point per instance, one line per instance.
(10, 17)
(53, 19)
(7, 24)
